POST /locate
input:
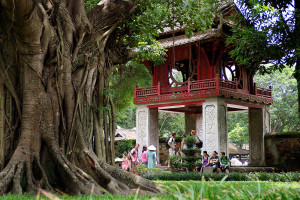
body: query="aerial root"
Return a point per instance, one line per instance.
(78, 181)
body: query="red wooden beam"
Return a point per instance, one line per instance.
(178, 111)
(176, 104)
(243, 104)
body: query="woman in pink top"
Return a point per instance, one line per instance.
(125, 163)
(144, 156)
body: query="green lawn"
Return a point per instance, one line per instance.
(207, 190)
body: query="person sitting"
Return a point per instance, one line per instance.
(214, 160)
(205, 161)
(126, 162)
(224, 163)
(144, 156)
(151, 155)
(200, 157)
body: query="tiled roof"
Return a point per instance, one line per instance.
(183, 39)
(121, 134)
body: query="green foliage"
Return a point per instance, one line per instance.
(154, 171)
(155, 15)
(189, 160)
(140, 168)
(123, 81)
(239, 135)
(150, 51)
(126, 117)
(124, 146)
(199, 190)
(89, 4)
(190, 141)
(169, 122)
(191, 152)
(233, 176)
(238, 132)
(284, 114)
(231, 190)
(265, 31)
(175, 162)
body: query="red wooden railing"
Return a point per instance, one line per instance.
(202, 84)
(193, 86)
(228, 85)
(264, 92)
(146, 91)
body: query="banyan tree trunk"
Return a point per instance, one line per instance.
(53, 59)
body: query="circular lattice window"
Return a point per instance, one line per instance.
(180, 72)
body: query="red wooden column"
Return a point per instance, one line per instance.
(217, 83)
(158, 88)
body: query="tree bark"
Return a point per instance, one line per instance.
(2, 127)
(52, 63)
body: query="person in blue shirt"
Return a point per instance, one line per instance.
(151, 155)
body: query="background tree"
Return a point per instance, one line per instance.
(268, 32)
(169, 122)
(55, 67)
(284, 115)
(283, 112)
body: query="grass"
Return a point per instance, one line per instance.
(202, 190)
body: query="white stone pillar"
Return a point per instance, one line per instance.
(190, 123)
(215, 135)
(199, 126)
(259, 125)
(147, 128)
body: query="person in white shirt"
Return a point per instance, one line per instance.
(172, 146)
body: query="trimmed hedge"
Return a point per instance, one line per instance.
(234, 176)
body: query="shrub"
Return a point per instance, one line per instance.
(124, 145)
(190, 141)
(190, 158)
(234, 176)
(175, 162)
(154, 171)
(140, 169)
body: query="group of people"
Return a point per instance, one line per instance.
(130, 160)
(221, 164)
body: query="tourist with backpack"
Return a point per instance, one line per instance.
(199, 143)
(171, 145)
(224, 163)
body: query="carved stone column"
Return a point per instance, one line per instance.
(259, 125)
(215, 126)
(199, 126)
(190, 122)
(147, 127)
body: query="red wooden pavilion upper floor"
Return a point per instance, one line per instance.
(200, 66)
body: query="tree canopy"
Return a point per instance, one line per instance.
(268, 32)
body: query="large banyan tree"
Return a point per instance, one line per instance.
(55, 60)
